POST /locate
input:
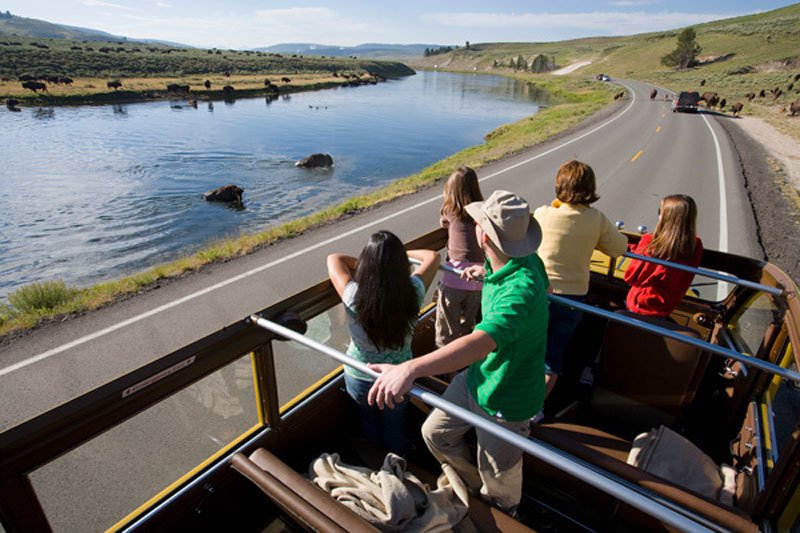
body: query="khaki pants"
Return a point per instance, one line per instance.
(498, 476)
(456, 314)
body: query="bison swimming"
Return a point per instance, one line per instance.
(226, 193)
(316, 161)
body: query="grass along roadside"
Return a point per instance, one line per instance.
(572, 100)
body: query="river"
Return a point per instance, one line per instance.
(93, 193)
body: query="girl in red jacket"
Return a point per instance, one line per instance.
(657, 290)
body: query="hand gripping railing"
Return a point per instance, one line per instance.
(664, 332)
(646, 501)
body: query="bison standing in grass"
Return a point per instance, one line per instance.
(794, 108)
(34, 86)
(207, 84)
(114, 84)
(722, 104)
(737, 108)
(286, 80)
(750, 96)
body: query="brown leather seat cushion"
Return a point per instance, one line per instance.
(646, 378)
(299, 497)
(606, 451)
(319, 510)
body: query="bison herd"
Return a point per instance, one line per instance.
(714, 100)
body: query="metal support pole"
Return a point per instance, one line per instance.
(664, 332)
(610, 486)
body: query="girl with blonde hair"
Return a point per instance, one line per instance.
(657, 290)
(459, 299)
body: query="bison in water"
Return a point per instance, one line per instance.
(653, 94)
(315, 161)
(737, 108)
(114, 84)
(226, 193)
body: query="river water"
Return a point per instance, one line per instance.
(93, 193)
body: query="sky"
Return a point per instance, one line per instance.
(246, 24)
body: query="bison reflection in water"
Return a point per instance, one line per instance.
(44, 113)
(119, 109)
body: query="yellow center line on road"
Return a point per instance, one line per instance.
(658, 129)
(634, 158)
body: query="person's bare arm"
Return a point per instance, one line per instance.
(429, 264)
(341, 268)
(396, 380)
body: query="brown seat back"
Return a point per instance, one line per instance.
(644, 378)
(308, 504)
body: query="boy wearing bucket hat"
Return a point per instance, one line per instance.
(504, 381)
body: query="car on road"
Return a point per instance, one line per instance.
(686, 101)
(603, 77)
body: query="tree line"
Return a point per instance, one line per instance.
(540, 63)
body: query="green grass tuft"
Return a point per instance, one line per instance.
(42, 297)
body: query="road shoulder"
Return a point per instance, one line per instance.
(773, 196)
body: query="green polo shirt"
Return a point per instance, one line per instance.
(509, 382)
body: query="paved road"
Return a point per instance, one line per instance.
(640, 152)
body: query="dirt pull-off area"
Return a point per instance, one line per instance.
(770, 163)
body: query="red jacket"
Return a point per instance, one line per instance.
(657, 290)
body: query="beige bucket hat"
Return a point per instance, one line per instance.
(506, 219)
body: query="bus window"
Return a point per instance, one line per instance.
(299, 369)
(100, 482)
(748, 327)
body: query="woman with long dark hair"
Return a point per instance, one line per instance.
(381, 300)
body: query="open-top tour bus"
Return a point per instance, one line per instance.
(218, 434)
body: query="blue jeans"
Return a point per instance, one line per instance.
(560, 328)
(387, 427)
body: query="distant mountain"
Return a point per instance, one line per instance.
(373, 50)
(41, 29)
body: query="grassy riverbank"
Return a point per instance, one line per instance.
(572, 100)
(145, 70)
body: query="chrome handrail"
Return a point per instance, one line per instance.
(682, 519)
(652, 328)
(698, 271)
(664, 332)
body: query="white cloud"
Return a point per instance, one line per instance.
(163, 4)
(630, 3)
(608, 22)
(101, 3)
